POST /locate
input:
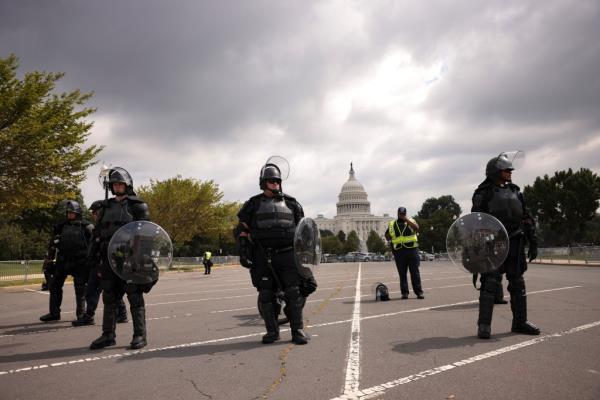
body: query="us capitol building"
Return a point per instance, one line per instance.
(354, 212)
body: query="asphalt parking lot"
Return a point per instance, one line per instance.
(204, 341)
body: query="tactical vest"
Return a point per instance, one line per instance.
(507, 207)
(407, 238)
(115, 215)
(273, 223)
(72, 238)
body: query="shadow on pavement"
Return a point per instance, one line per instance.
(208, 349)
(469, 306)
(35, 329)
(440, 342)
(44, 355)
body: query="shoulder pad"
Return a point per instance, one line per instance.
(135, 199)
(513, 187)
(289, 198)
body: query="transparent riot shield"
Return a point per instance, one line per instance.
(516, 157)
(477, 243)
(282, 164)
(138, 250)
(103, 176)
(307, 245)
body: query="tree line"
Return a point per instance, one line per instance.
(44, 156)
(43, 159)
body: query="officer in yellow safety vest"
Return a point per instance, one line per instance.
(402, 235)
(206, 260)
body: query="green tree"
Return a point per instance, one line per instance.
(433, 204)
(332, 245)
(189, 210)
(42, 136)
(434, 219)
(341, 236)
(325, 232)
(433, 231)
(563, 204)
(352, 242)
(375, 243)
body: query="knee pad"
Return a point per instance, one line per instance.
(490, 283)
(516, 285)
(136, 299)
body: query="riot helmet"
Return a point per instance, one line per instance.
(74, 207)
(504, 161)
(270, 172)
(381, 292)
(402, 210)
(120, 175)
(96, 205)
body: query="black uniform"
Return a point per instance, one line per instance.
(93, 291)
(272, 223)
(114, 215)
(70, 239)
(506, 203)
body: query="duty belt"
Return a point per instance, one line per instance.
(272, 250)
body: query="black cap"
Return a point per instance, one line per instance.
(401, 210)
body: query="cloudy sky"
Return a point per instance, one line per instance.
(419, 95)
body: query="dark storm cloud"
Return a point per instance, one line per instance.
(211, 89)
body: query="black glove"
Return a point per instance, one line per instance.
(245, 252)
(308, 286)
(529, 228)
(532, 252)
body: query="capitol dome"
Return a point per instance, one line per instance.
(353, 197)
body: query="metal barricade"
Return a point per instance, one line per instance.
(20, 271)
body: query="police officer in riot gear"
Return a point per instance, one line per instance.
(265, 233)
(498, 196)
(117, 211)
(70, 238)
(93, 288)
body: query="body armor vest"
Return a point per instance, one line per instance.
(274, 223)
(72, 238)
(506, 206)
(116, 214)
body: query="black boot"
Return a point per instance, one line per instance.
(80, 301)
(499, 297)
(121, 312)
(268, 313)
(296, 321)
(486, 309)
(50, 317)
(138, 315)
(85, 319)
(107, 339)
(518, 304)
(299, 336)
(108, 323)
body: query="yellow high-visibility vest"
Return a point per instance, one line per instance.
(408, 242)
(207, 255)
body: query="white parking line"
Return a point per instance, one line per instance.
(184, 345)
(352, 381)
(379, 390)
(38, 291)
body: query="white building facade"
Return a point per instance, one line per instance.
(354, 212)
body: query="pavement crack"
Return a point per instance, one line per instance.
(198, 389)
(284, 353)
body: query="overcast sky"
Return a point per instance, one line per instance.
(419, 95)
